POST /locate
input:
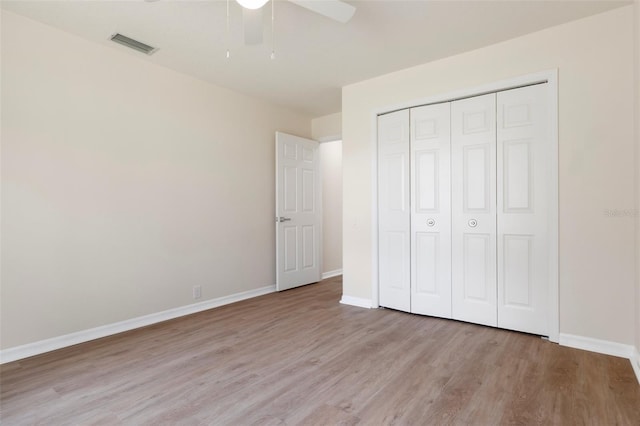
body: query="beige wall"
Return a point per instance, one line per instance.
(595, 61)
(331, 167)
(327, 128)
(125, 184)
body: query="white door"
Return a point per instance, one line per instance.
(431, 210)
(473, 205)
(524, 179)
(393, 211)
(298, 212)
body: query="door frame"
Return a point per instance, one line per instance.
(549, 77)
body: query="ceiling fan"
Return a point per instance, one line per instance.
(336, 10)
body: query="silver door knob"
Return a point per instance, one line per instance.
(282, 219)
(473, 223)
(431, 222)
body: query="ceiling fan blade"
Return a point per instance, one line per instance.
(252, 23)
(333, 9)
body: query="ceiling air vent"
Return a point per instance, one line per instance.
(133, 44)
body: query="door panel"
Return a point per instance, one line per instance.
(477, 269)
(517, 257)
(427, 181)
(517, 178)
(427, 269)
(476, 191)
(290, 189)
(394, 274)
(393, 211)
(431, 211)
(523, 191)
(308, 190)
(298, 209)
(290, 248)
(395, 172)
(308, 247)
(473, 204)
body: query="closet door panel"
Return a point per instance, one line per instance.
(430, 210)
(394, 237)
(473, 204)
(523, 209)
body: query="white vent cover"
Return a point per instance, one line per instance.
(133, 44)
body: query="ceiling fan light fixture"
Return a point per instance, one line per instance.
(252, 4)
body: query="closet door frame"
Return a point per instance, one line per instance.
(550, 78)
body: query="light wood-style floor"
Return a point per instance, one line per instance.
(299, 357)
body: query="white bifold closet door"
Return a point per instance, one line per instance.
(431, 210)
(524, 203)
(473, 205)
(464, 209)
(414, 210)
(393, 211)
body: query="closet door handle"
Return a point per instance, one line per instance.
(431, 222)
(473, 223)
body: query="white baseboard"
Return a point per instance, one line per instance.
(330, 274)
(597, 345)
(604, 347)
(635, 363)
(356, 301)
(42, 346)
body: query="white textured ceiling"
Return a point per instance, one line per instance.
(315, 56)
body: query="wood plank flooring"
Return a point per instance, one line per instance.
(301, 358)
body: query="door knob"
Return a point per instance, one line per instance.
(282, 219)
(431, 222)
(473, 223)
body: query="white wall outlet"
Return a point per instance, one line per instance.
(197, 292)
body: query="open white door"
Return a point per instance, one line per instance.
(298, 212)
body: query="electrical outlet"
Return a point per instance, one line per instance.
(197, 292)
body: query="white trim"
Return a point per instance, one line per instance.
(332, 138)
(551, 77)
(319, 198)
(596, 345)
(42, 346)
(635, 364)
(554, 211)
(356, 301)
(604, 347)
(330, 274)
(375, 277)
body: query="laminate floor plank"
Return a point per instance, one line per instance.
(301, 358)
